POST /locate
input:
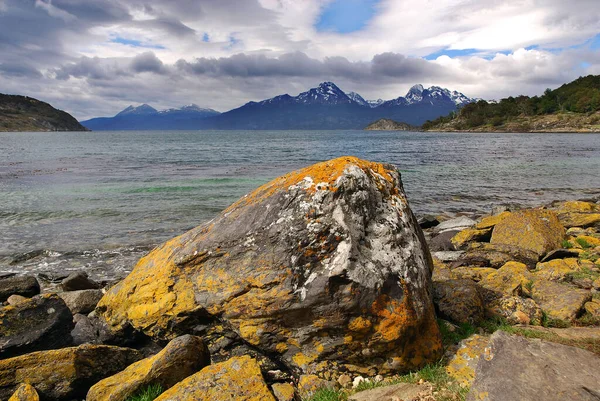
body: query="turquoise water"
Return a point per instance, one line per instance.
(100, 200)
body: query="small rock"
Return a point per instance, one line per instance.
(378, 379)
(14, 299)
(181, 358)
(284, 391)
(344, 380)
(78, 281)
(357, 381)
(81, 301)
(25, 392)
(39, 323)
(26, 286)
(448, 256)
(443, 241)
(309, 384)
(593, 308)
(458, 301)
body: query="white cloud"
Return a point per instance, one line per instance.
(261, 48)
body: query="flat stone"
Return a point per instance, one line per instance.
(456, 224)
(560, 301)
(284, 391)
(14, 299)
(443, 241)
(519, 369)
(463, 363)
(448, 256)
(26, 286)
(400, 391)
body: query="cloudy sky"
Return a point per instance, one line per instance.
(95, 57)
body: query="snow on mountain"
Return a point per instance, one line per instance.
(139, 110)
(375, 103)
(357, 98)
(432, 95)
(190, 108)
(325, 93)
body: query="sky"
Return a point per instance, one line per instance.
(95, 57)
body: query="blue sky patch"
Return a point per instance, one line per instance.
(345, 16)
(595, 42)
(135, 43)
(205, 37)
(452, 53)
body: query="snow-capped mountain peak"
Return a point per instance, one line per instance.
(142, 109)
(325, 93)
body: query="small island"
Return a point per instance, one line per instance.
(385, 124)
(23, 113)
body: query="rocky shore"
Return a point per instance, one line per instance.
(323, 285)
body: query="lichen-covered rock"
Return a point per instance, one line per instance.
(464, 237)
(593, 308)
(81, 301)
(535, 230)
(181, 358)
(308, 385)
(65, 373)
(560, 301)
(472, 273)
(491, 221)
(14, 299)
(39, 323)
(26, 286)
(284, 391)
(578, 214)
(512, 279)
(463, 363)
(326, 264)
(399, 391)
(515, 310)
(237, 379)
(25, 392)
(556, 269)
(519, 369)
(458, 301)
(495, 256)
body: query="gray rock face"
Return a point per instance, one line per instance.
(26, 286)
(323, 268)
(456, 224)
(78, 281)
(40, 323)
(442, 242)
(519, 369)
(82, 301)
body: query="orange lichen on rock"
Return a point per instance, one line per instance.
(393, 316)
(322, 176)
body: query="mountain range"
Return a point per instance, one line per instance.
(323, 107)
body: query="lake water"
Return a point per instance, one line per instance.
(100, 200)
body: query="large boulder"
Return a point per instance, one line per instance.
(181, 358)
(534, 230)
(324, 268)
(560, 301)
(65, 373)
(236, 379)
(518, 369)
(26, 286)
(40, 323)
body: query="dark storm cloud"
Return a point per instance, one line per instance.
(15, 69)
(299, 64)
(147, 62)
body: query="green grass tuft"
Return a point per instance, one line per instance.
(583, 243)
(325, 394)
(566, 244)
(148, 394)
(464, 330)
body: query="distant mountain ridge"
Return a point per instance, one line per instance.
(22, 113)
(146, 117)
(323, 107)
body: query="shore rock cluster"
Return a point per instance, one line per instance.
(321, 278)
